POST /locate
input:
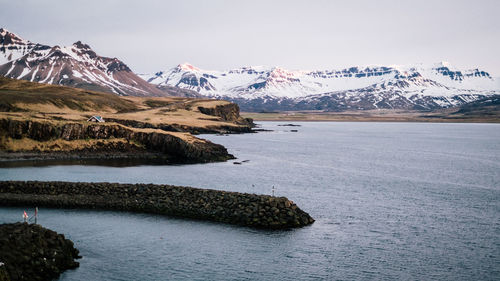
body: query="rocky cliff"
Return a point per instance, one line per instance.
(228, 112)
(173, 147)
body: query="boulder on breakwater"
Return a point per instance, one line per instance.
(31, 252)
(262, 211)
(4, 276)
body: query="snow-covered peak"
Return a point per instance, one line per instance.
(188, 67)
(279, 72)
(82, 46)
(261, 82)
(77, 64)
(443, 64)
(9, 38)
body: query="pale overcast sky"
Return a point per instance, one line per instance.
(153, 35)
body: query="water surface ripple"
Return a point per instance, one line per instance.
(406, 201)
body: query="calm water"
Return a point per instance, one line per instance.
(391, 201)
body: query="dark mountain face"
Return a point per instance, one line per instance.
(483, 107)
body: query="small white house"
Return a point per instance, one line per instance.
(96, 118)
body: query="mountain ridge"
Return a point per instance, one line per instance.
(76, 65)
(372, 87)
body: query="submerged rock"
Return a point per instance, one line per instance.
(289, 125)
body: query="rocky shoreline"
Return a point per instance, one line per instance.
(31, 252)
(112, 140)
(260, 211)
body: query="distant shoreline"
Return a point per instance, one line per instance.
(442, 116)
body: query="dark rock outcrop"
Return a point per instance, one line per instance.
(252, 210)
(228, 112)
(31, 252)
(4, 275)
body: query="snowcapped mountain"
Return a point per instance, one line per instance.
(264, 88)
(76, 66)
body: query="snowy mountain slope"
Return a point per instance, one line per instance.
(12, 47)
(76, 65)
(261, 88)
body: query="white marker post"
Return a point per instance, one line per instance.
(273, 190)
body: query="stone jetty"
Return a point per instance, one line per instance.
(31, 252)
(260, 211)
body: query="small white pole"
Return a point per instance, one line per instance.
(273, 190)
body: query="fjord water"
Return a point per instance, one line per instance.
(391, 201)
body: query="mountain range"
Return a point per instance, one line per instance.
(253, 88)
(356, 88)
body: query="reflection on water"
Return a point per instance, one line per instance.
(129, 162)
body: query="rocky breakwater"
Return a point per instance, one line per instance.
(173, 147)
(31, 252)
(261, 211)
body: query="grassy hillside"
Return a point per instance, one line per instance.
(19, 95)
(51, 102)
